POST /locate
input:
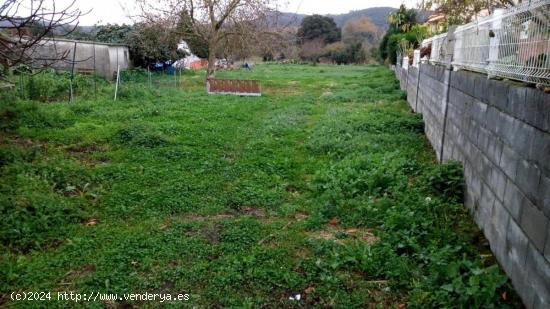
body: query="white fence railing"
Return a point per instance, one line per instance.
(439, 46)
(513, 43)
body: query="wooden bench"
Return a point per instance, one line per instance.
(234, 86)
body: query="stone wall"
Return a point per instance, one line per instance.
(500, 131)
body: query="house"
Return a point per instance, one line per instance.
(435, 23)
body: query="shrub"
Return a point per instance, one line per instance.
(40, 201)
(51, 85)
(140, 135)
(48, 86)
(132, 90)
(390, 44)
(11, 154)
(27, 114)
(30, 222)
(446, 181)
(351, 53)
(135, 75)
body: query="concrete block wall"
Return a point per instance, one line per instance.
(500, 131)
(412, 85)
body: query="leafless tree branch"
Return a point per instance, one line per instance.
(219, 22)
(28, 25)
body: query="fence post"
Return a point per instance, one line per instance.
(21, 90)
(95, 82)
(417, 87)
(449, 52)
(494, 42)
(408, 73)
(149, 73)
(416, 57)
(117, 80)
(71, 94)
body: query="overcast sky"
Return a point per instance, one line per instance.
(117, 11)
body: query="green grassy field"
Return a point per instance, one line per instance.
(325, 187)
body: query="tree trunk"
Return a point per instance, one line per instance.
(211, 59)
(211, 65)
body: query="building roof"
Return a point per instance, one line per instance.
(84, 42)
(435, 18)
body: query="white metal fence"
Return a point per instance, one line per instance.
(439, 45)
(513, 43)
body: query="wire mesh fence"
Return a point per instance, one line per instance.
(439, 44)
(49, 85)
(152, 79)
(471, 50)
(87, 70)
(58, 85)
(521, 46)
(511, 43)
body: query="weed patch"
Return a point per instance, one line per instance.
(325, 187)
(30, 115)
(141, 136)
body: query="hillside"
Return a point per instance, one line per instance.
(378, 15)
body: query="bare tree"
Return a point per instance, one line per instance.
(360, 30)
(216, 21)
(313, 50)
(27, 25)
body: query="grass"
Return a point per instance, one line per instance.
(325, 187)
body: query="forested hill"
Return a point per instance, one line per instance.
(378, 15)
